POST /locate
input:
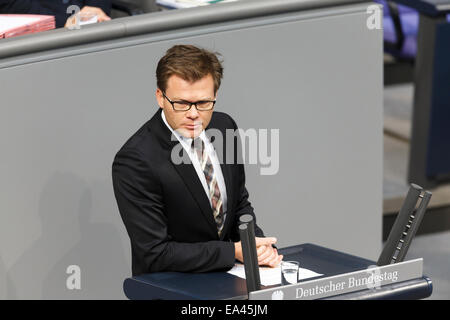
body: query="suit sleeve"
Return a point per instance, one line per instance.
(24, 7)
(140, 200)
(105, 5)
(243, 205)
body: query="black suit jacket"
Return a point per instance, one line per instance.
(57, 8)
(165, 209)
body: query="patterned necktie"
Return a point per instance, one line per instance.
(211, 180)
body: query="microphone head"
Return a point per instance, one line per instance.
(246, 218)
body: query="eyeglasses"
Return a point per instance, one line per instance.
(204, 105)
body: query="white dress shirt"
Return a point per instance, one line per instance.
(209, 148)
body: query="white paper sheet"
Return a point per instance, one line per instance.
(13, 21)
(186, 3)
(271, 276)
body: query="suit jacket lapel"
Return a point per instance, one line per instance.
(193, 183)
(226, 172)
(228, 184)
(190, 177)
(185, 170)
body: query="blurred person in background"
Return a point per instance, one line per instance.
(58, 8)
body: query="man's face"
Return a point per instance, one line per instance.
(188, 123)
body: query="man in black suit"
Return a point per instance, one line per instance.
(183, 215)
(57, 8)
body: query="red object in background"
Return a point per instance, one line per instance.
(12, 25)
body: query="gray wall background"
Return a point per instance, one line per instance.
(316, 76)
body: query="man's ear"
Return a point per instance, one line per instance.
(159, 98)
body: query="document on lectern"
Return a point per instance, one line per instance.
(271, 276)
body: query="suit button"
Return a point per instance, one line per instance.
(65, 1)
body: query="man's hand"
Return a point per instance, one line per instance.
(101, 15)
(267, 255)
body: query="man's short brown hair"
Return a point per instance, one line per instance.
(189, 63)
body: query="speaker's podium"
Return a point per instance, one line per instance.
(343, 276)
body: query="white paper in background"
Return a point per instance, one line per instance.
(187, 3)
(87, 19)
(271, 276)
(10, 22)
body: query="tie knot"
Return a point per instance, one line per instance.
(198, 144)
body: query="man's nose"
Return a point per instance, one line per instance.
(192, 112)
